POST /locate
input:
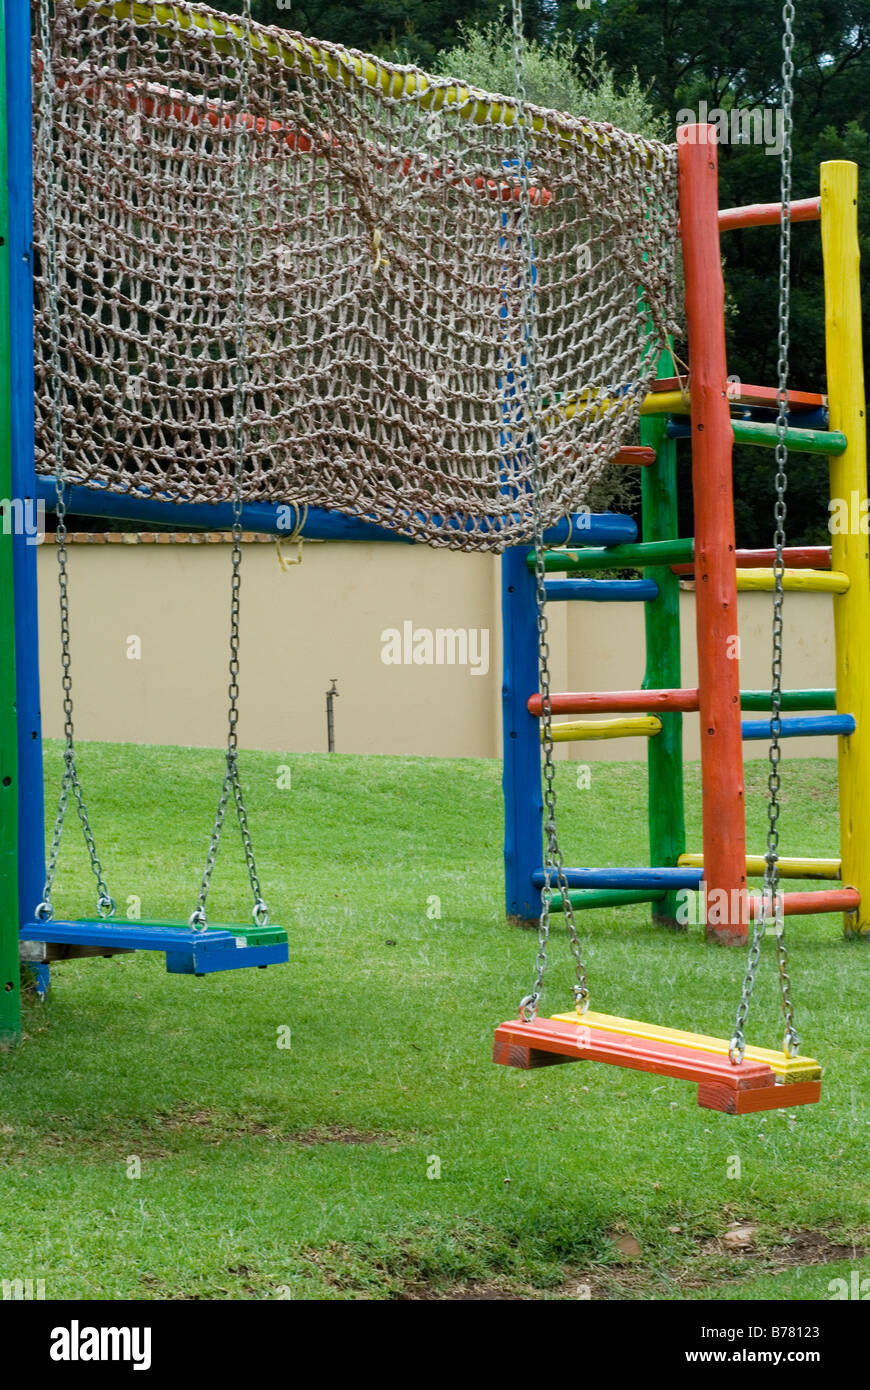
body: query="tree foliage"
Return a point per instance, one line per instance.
(731, 58)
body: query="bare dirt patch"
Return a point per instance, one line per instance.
(461, 1293)
(336, 1134)
(716, 1260)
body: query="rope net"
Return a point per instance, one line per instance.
(384, 284)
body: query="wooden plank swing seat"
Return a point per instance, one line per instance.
(221, 947)
(764, 1080)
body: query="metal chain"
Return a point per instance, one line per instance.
(232, 780)
(771, 905)
(71, 781)
(526, 386)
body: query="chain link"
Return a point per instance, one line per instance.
(232, 780)
(771, 904)
(70, 781)
(526, 388)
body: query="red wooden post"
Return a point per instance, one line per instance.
(724, 824)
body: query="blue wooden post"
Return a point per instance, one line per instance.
(521, 777)
(521, 739)
(31, 823)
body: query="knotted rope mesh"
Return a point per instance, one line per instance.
(385, 295)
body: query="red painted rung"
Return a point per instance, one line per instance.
(635, 455)
(741, 393)
(816, 557)
(805, 904)
(768, 214)
(617, 701)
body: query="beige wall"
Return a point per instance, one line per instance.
(325, 618)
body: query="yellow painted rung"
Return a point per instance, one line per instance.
(788, 867)
(798, 581)
(592, 403)
(642, 725)
(665, 403)
(789, 1068)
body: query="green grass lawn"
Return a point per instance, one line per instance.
(311, 1171)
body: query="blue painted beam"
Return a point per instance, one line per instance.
(521, 744)
(812, 418)
(666, 878)
(602, 528)
(187, 952)
(759, 729)
(31, 819)
(602, 590)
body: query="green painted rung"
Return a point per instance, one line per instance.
(585, 898)
(614, 557)
(791, 699)
(800, 441)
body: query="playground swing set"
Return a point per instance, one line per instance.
(383, 350)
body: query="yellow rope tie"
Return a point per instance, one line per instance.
(295, 538)
(377, 259)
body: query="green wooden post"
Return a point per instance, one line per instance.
(667, 830)
(10, 994)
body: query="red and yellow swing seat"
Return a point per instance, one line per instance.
(764, 1080)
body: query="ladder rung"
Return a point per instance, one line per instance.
(635, 455)
(800, 441)
(823, 900)
(790, 866)
(602, 590)
(586, 899)
(640, 726)
(617, 701)
(753, 730)
(592, 528)
(811, 556)
(741, 393)
(663, 701)
(769, 214)
(791, 699)
(795, 581)
(667, 879)
(616, 557)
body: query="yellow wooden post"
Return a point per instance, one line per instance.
(850, 545)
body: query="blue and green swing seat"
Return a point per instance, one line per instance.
(188, 952)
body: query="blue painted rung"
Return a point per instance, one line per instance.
(592, 528)
(187, 952)
(814, 418)
(602, 590)
(625, 878)
(753, 729)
